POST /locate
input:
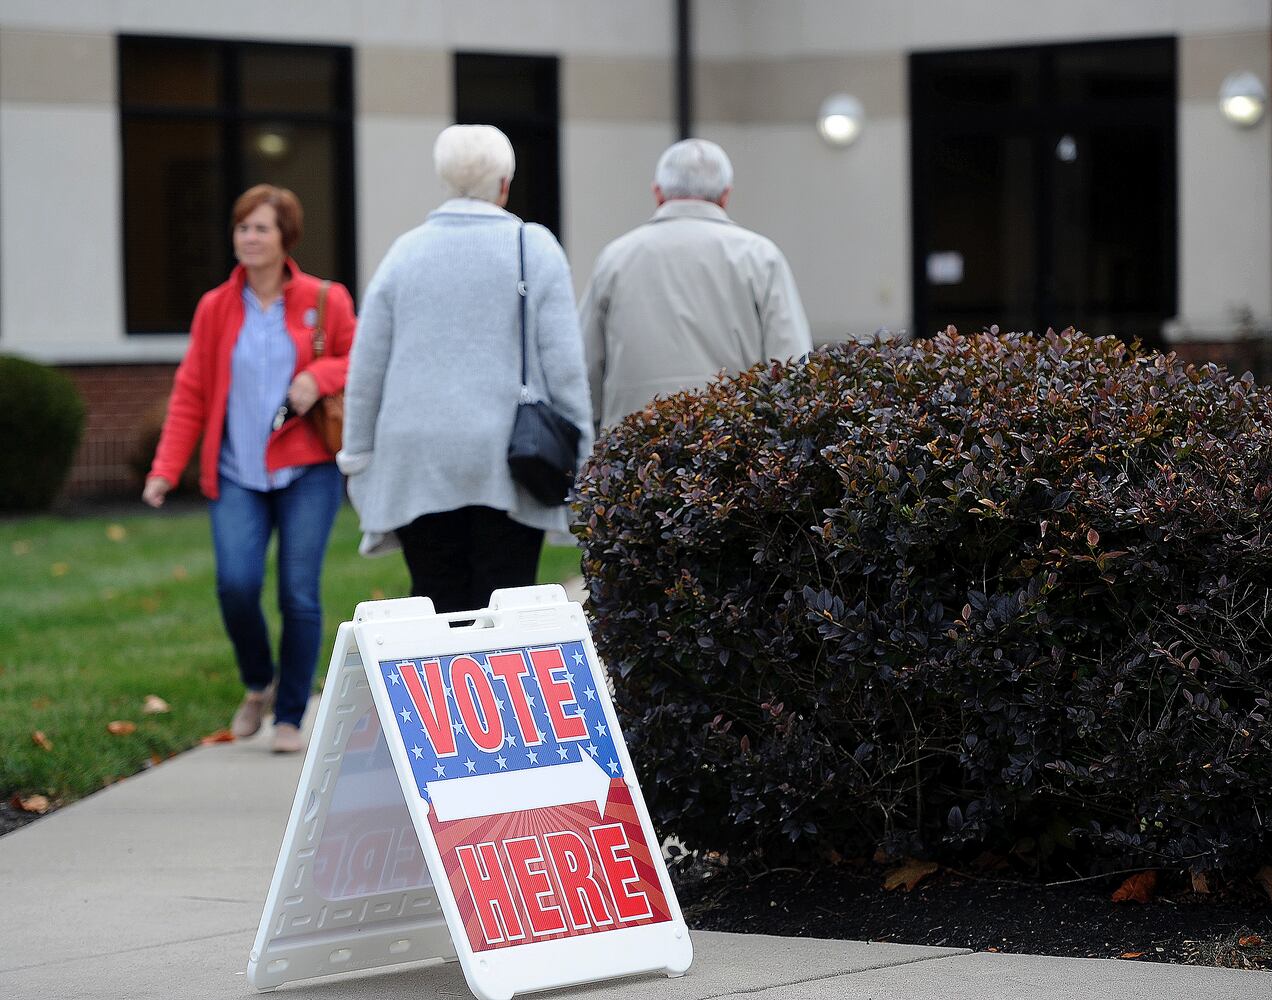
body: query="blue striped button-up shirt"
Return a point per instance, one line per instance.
(260, 372)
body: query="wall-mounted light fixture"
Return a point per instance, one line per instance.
(840, 120)
(1243, 98)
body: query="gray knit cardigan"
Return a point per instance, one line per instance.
(435, 372)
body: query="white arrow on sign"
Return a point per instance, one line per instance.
(534, 788)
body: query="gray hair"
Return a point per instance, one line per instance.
(694, 168)
(471, 160)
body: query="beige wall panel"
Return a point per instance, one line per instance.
(1225, 221)
(55, 68)
(397, 187)
(391, 80)
(617, 90)
(1205, 60)
(59, 245)
(840, 216)
(791, 90)
(607, 174)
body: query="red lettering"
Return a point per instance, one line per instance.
(471, 685)
(491, 897)
(429, 698)
(510, 668)
(620, 871)
(556, 694)
(530, 875)
(583, 895)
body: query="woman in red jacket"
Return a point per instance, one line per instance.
(251, 348)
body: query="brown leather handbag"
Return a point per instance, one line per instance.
(327, 415)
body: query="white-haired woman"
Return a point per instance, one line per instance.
(435, 378)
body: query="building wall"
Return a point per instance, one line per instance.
(843, 217)
(762, 68)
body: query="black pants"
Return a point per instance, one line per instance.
(457, 557)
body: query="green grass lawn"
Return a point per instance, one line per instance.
(98, 613)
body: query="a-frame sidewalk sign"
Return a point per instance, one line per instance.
(467, 795)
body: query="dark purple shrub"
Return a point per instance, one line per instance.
(946, 595)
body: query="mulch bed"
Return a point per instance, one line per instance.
(1227, 927)
(11, 817)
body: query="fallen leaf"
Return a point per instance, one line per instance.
(116, 532)
(149, 605)
(1264, 878)
(1093, 537)
(21, 547)
(41, 703)
(880, 856)
(220, 736)
(179, 572)
(1250, 941)
(910, 874)
(121, 727)
(154, 705)
(1137, 889)
(1201, 883)
(31, 804)
(377, 594)
(991, 948)
(1131, 954)
(59, 569)
(41, 741)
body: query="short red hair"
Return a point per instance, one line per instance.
(287, 210)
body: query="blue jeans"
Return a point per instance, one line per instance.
(242, 522)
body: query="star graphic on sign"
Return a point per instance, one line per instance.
(418, 751)
(591, 749)
(591, 695)
(534, 757)
(569, 677)
(406, 716)
(540, 736)
(447, 691)
(458, 727)
(613, 766)
(510, 740)
(562, 752)
(578, 658)
(600, 729)
(499, 704)
(502, 762)
(441, 771)
(395, 678)
(470, 765)
(530, 700)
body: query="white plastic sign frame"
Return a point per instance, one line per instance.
(533, 861)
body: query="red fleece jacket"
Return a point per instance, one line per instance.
(201, 388)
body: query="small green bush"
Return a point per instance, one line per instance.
(41, 420)
(942, 596)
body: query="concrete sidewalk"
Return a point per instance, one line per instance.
(154, 888)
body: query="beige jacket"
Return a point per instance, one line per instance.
(676, 300)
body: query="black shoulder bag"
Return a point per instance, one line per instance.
(543, 452)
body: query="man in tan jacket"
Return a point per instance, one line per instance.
(689, 293)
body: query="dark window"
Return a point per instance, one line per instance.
(1044, 188)
(203, 121)
(518, 94)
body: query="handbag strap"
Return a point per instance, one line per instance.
(522, 291)
(320, 324)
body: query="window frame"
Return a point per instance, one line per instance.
(233, 120)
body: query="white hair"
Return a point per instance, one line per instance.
(694, 168)
(472, 160)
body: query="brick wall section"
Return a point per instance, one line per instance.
(1252, 354)
(124, 400)
(121, 402)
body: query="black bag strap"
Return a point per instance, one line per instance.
(522, 292)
